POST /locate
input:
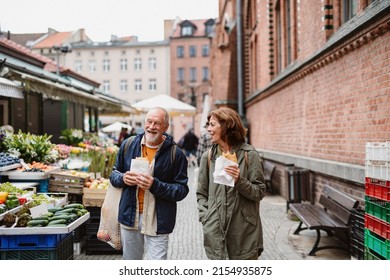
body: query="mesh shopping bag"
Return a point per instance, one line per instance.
(109, 228)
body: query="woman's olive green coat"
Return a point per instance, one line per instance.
(231, 215)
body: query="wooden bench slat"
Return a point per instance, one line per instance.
(341, 198)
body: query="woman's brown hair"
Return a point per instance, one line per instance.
(233, 131)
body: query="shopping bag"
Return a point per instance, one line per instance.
(109, 229)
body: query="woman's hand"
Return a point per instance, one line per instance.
(234, 171)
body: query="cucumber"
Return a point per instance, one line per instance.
(65, 211)
(61, 217)
(74, 205)
(54, 209)
(57, 225)
(56, 222)
(34, 223)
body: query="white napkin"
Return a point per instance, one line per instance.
(220, 175)
(139, 165)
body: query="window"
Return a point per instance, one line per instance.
(180, 74)
(137, 64)
(288, 31)
(193, 74)
(209, 29)
(138, 85)
(152, 63)
(186, 31)
(78, 66)
(152, 85)
(205, 50)
(205, 74)
(92, 53)
(179, 51)
(192, 51)
(123, 86)
(123, 64)
(106, 65)
(349, 9)
(92, 66)
(106, 86)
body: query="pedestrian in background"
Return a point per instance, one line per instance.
(190, 145)
(203, 145)
(147, 209)
(230, 216)
(124, 134)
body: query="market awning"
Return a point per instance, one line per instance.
(53, 90)
(10, 89)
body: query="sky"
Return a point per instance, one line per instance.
(102, 18)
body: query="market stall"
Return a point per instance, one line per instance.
(53, 176)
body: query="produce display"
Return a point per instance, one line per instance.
(57, 216)
(36, 167)
(100, 183)
(7, 159)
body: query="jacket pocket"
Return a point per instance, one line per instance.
(249, 216)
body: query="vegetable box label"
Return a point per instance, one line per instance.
(38, 210)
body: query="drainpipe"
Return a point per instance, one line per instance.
(239, 62)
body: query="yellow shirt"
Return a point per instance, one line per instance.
(149, 153)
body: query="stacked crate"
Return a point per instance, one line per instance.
(377, 201)
(94, 246)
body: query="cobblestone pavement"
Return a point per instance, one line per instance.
(186, 241)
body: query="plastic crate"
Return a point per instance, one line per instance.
(94, 246)
(378, 169)
(357, 224)
(377, 243)
(356, 248)
(30, 241)
(378, 208)
(378, 226)
(370, 255)
(64, 251)
(378, 151)
(43, 184)
(378, 188)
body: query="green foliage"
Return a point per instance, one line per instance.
(31, 147)
(72, 136)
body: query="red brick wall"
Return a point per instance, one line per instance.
(330, 113)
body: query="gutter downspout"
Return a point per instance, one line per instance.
(240, 93)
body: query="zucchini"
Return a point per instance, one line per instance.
(59, 217)
(56, 222)
(65, 211)
(34, 223)
(54, 209)
(74, 205)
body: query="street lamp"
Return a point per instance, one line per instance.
(61, 49)
(193, 89)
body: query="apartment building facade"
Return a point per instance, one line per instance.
(190, 79)
(315, 83)
(127, 69)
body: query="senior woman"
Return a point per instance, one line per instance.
(230, 214)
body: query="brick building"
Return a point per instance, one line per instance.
(315, 83)
(190, 68)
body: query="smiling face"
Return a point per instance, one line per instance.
(156, 124)
(215, 130)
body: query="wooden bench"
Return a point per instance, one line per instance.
(331, 215)
(269, 170)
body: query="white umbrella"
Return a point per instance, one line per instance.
(116, 127)
(174, 106)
